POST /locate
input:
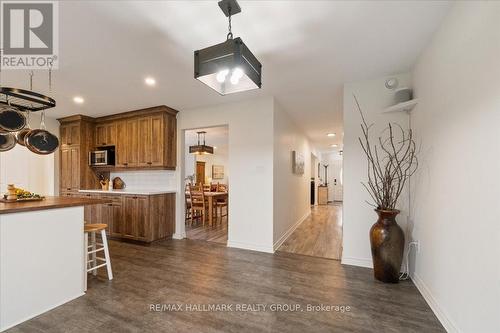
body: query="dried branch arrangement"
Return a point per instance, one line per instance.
(391, 162)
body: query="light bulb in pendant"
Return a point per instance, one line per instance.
(236, 76)
(221, 76)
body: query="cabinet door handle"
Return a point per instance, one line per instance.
(68, 188)
(125, 163)
(150, 162)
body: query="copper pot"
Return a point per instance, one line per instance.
(41, 142)
(11, 119)
(7, 141)
(22, 133)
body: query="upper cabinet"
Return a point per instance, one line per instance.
(146, 141)
(143, 139)
(105, 134)
(70, 134)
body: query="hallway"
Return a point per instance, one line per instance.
(320, 235)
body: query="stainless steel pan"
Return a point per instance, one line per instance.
(7, 141)
(11, 119)
(40, 141)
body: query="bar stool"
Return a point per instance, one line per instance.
(92, 249)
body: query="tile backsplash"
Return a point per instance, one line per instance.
(148, 180)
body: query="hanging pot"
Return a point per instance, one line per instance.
(22, 133)
(7, 141)
(11, 119)
(40, 141)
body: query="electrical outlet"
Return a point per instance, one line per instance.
(416, 244)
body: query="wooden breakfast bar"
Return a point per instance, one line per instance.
(42, 261)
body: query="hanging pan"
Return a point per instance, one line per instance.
(11, 119)
(22, 133)
(7, 141)
(40, 141)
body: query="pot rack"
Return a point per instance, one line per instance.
(26, 100)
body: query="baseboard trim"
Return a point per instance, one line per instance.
(49, 308)
(360, 262)
(249, 246)
(438, 310)
(178, 236)
(290, 230)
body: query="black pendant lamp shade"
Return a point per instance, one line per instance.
(228, 67)
(201, 149)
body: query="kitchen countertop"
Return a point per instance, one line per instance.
(47, 203)
(128, 191)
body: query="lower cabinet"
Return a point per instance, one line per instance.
(143, 218)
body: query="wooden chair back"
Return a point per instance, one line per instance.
(221, 188)
(197, 197)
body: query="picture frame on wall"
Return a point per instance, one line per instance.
(217, 171)
(298, 162)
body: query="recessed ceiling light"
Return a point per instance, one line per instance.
(78, 100)
(334, 146)
(150, 81)
(331, 134)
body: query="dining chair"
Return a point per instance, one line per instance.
(187, 196)
(206, 187)
(198, 204)
(221, 187)
(222, 202)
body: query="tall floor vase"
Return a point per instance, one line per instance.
(387, 242)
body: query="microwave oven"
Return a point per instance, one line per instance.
(102, 157)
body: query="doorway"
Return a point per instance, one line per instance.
(320, 234)
(207, 185)
(200, 172)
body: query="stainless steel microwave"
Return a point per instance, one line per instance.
(102, 157)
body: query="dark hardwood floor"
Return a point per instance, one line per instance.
(216, 233)
(320, 235)
(191, 272)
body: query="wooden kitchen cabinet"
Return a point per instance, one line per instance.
(142, 140)
(136, 217)
(105, 134)
(144, 218)
(70, 169)
(70, 134)
(76, 137)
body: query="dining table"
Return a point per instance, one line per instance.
(211, 198)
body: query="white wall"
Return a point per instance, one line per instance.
(358, 216)
(456, 208)
(219, 157)
(291, 191)
(251, 163)
(24, 169)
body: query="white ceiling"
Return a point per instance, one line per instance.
(308, 50)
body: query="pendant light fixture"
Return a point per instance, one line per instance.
(201, 149)
(228, 67)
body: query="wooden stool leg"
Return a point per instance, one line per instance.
(94, 255)
(106, 254)
(85, 251)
